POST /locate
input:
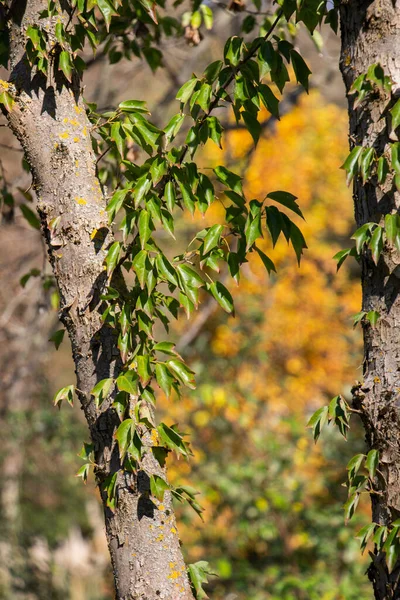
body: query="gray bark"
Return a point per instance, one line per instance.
(49, 120)
(371, 34)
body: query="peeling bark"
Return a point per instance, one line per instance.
(371, 34)
(49, 119)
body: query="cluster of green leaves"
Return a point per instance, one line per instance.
(358, 483)
(365, 162)
(386, 540)
(337, 412)
(373, 237)
(145, 204)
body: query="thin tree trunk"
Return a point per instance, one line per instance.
(49, 120)
(371, 34)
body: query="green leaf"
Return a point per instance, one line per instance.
(361, 235)
(107, 10)
(376, 243)
(341, 256)
(198, 574)
(301, 70)
(395, 114)
(372, 462)
(186, 90)
(101, 390)
(212, 71)
(84, 472)
(372, 317)
(115, 204)
(204, 97)
(229, 179)
(253, 224)
(269, 100)
(253, 126)
(354, 465)
(182, 372)
(233, 50)
(166, 270)
(391, 227)
(66, 64)
(144, 369)
(297, 240)
(172, 439)
(112, 257)
(158, 486)
(164, 378)
(350, 506)
(382, 169)
(215, 130)
(189, 276)
(364, 535)
(116, 136)
(222, 296)
(392, 555)
(110, 487)
(169, 196)
(350, 165)
(128, 382)
(66, 393)
(318, 421)
(366, 159)
(173, 127)
(395, 155)
(267, 262)
(286, 199)
(57, 338)
(144, 227)
(30, 216)
(141, 265)
(35, 35)
(212, 238)
(166, 347)
(132, 106)
(123, 435)
(141, 188)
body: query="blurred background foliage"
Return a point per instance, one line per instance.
(273, 501)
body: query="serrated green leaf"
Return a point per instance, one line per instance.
(124, 435)
(107, 10)
(350, 165)
(66, 393)
(66, 65)
(212, 238)
(144, 369)
(132, 106)
(166, 270)
(372, 462)
(229, 179)
(57, 338)
(376, 243)
(301, 70)
(182, 372)
(128, 382)
(101, 390)
(158, 486)
(222, 296)
(112, 257)
(318, 421)
(186, 90)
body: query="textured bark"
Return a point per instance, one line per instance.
(371, 34)
(49, 120)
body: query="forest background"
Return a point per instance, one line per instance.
(274, 526)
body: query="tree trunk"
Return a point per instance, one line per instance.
(49, 119)
(371, 34)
